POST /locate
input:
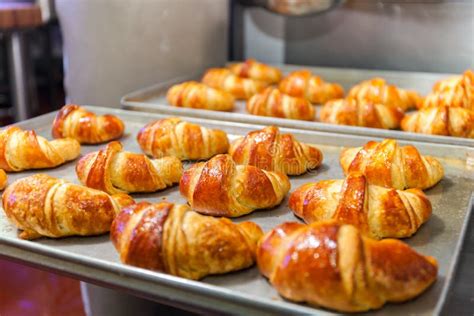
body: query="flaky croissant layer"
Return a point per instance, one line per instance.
(256, 70)
(192, 94)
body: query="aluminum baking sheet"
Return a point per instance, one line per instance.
(153, 99)
(246, 292)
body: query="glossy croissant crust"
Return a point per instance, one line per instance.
(3, 179)
(256, 70)
(270, 150)
(113, 170)
(334, 266)
(172, 238)
(192, 94)
(174, 137)
(389, 165)
(376, 211)
(41, 205)
(24, 150)
(220, 187)
(86, 127)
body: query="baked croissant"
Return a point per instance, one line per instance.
(303, 84)
(86, 127)
(192, 94)
(268, 149)
(332, 265)
(443, 120)
(113, 170)
(389, 165)
(254, 70)
(351, 112)
(376, 211)
(174, 137)
(24, 150)
(377, 90)
(240, 88)
(172, 238)
(219, 187)
(271, 102)
(3, 179)
(41, 205)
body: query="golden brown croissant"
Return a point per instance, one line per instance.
(377, 90)
(303, 84)
(332, 265)
(351, 112)
(389, 165)
(271, 102)
(3, 179)
(23, 150)
(192, 94)
(86, 127)
(240, 88)
(255, 70)
(113, 170)
(376, 211)
(219, 187)
(171, 238)
(444, 120)
(41, 205)
(174, 137)
(268, 149)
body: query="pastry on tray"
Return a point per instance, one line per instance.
(187, 141)
(173, 239)
(196, 95)
(390, 165)
(41, 205)
(332, 265)
(255, 70)
(3, 179)
(114, 170)
(86, 127)
(376, 211)
(220, 187)
(270, 150)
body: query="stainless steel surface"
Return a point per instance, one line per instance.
(18, 74)
(295, 7)
(246, 292)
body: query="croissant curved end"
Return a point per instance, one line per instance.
(3, 179)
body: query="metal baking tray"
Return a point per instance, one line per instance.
(153, 99)
(246, 292)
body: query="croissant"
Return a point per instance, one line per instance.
(376, 211)
(240, 88)
(86, 127)
(174, 137)
(23, 150)
(268, 149)
(303, 84)
(192, 94)
(41, 205)
(113, 170)
(218, 187)
(377, 90)
(443, 120)
(172, 238)
(351, 112)
(3, 179)
(389, 165)
(332, 265)
(255, 70)
(271, 102)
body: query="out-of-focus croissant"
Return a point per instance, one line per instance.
(268, 149)
(174, 137)
(255, 70)
(113, 170)
(23, 150)
(332, 265)
(443, 120)
(171, 238)
(221, 188)
(86, 127)
(271, 102)
(192, 94)
(352, 112)
(41, 205)
(376, 211)
(303, 84)
(240, 88)
(389, 165)
(3, 179)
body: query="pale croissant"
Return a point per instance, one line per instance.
(196, 95)
(256, 70)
